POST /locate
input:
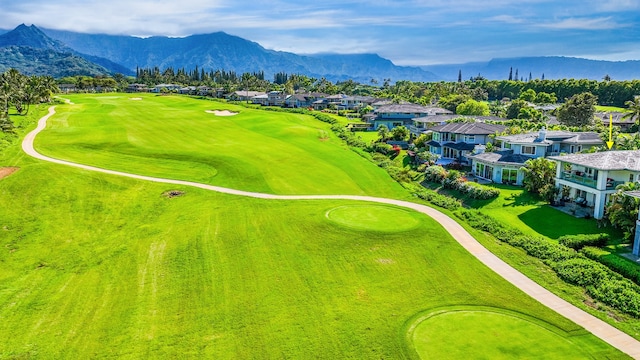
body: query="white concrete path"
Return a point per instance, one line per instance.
(601, 329)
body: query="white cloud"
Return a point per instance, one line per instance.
(601, 23)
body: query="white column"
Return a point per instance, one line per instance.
(598, 208)
(636, 240)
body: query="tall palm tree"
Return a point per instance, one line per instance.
(634, 110)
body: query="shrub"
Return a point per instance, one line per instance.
(583, 272)
(435, 173)
(601, 283)
(622, 266)
(478, 191)
(433, 197)
(579, 241)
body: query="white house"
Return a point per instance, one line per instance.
(589, 179)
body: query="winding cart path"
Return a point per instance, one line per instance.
(599, 328)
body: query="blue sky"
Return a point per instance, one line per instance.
(409, 32)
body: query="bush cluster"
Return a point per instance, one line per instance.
(601, 283)
(452, 179)
(577, 242)
(622, 266)
(433, 197)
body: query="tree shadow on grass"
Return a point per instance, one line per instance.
(554, 223)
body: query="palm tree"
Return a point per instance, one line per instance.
(622, 210)
(634, 110)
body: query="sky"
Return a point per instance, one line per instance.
(407, 32)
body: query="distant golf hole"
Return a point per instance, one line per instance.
(374, 217)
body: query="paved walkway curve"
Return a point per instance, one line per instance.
(601, 329)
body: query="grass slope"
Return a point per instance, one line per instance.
(93, 265)
(172, 136)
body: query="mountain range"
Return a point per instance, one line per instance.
(60, 53)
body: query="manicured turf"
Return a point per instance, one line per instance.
(374, 218)
(93, 265)
(518, 208)
(174, 137)
(479, 333)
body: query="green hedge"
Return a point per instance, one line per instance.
(579, 241)
(622, 266)
(600, 282)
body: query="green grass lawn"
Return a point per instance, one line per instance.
(602, 108)
(518, 208)
(93, 265)
(174, 137)
(476, 332)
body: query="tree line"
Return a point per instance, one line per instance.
(19, 91)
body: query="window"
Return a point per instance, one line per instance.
(471, 138)
(509, 176)
(507, 145)
(528, 150)
(630, 177)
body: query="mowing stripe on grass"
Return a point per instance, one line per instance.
(604, 331)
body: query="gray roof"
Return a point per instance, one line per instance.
(566, 137)
(441, 118)
(605, 160)
(403, 108)
(469, 128)
(506, 157)
(616, 117)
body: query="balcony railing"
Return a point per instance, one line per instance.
(579, 179)
(588, 181)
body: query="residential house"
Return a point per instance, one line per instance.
(303, 100)
(355, 102)
(636, 240)
(188, 90)
(244, 95)
(166, 88)
(440, 116)
(398, 115)
(276, 98)
(137, 88)
(512, 151)
(455, 141)
(589, 179)
(616, 119)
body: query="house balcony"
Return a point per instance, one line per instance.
(416, 130)
(579, 178)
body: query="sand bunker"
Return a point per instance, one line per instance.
(221, 112)
(135, 98)
(6, 171)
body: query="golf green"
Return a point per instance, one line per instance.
(490, 333)
(374, 217)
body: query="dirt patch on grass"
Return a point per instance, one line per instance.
(386, 261)
(221, 112)
(6, 171)
(136, 98)
(172, 193)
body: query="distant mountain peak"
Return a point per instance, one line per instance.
(31, 36)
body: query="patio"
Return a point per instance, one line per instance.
(574, 209)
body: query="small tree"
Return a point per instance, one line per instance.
(472, 107)
(383, 132)
(539, 177)
(578, 110)
(400, 133)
